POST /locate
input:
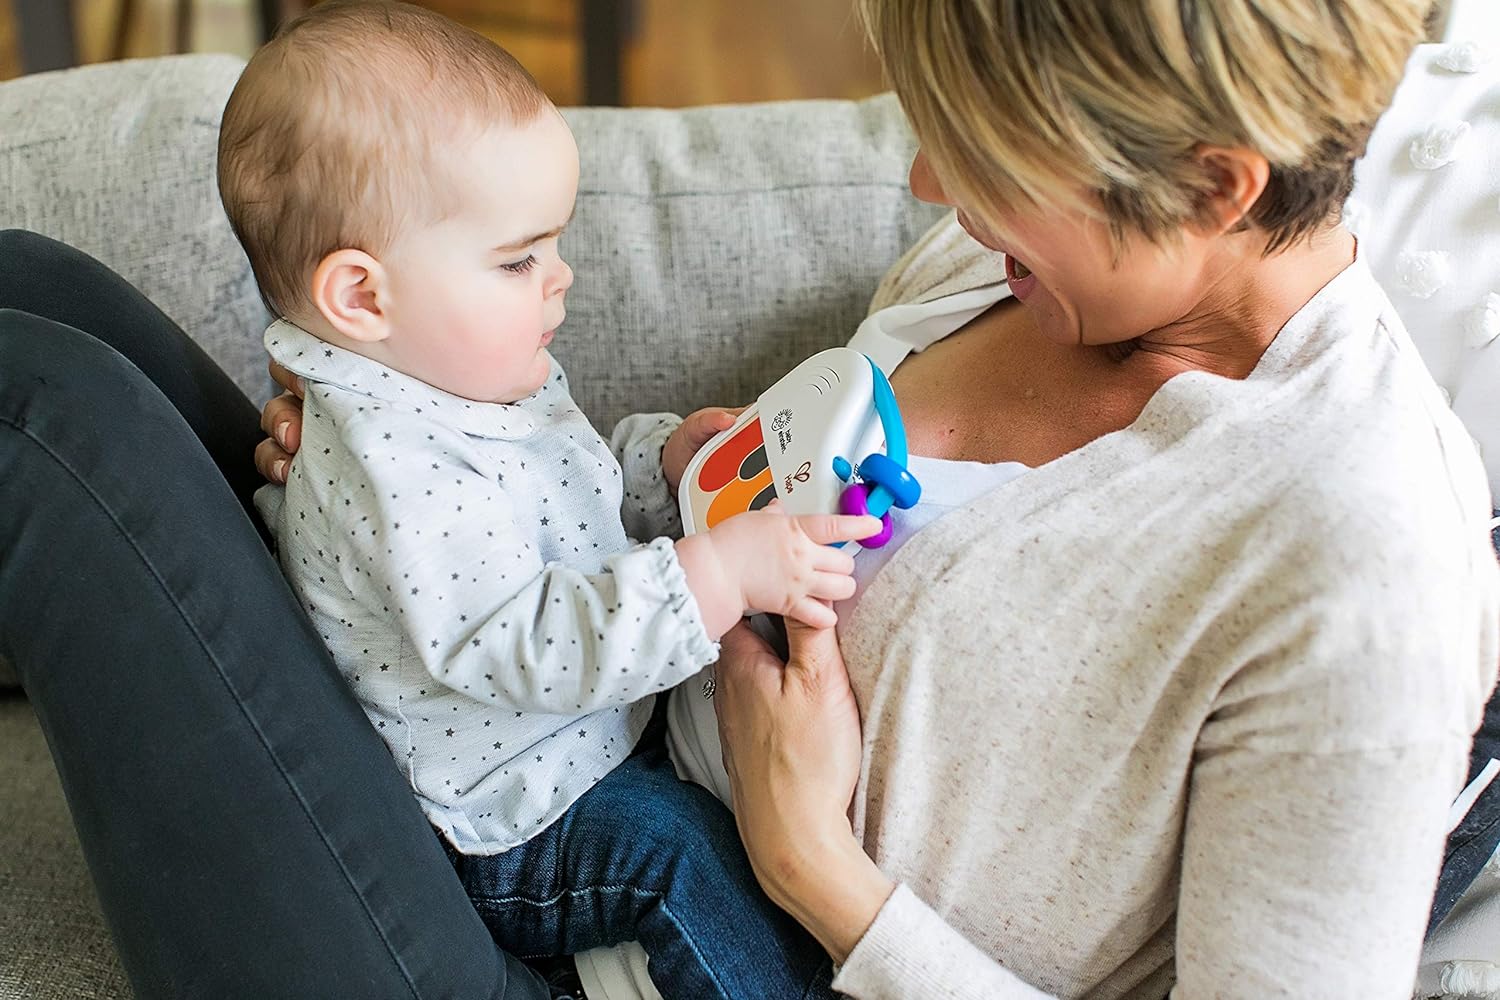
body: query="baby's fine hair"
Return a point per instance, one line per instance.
(333, 137)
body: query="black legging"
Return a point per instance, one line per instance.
(246, 829)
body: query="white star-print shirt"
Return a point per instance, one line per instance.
(471, 568)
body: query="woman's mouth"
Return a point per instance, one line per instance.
(1019, 277)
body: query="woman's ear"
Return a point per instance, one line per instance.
(349, 291)
(1237, 176)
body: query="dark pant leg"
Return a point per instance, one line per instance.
(1476, 838)
(245, 828)
(51, 280)
(644, 855)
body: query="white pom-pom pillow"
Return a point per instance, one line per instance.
(1426, 209)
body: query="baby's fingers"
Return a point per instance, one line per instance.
(827, 559)
(831, 586)
(704, 424)
(825, 529)
(809, 612)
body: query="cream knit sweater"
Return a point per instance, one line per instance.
(1188, 704)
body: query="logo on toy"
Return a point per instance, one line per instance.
(802, 475)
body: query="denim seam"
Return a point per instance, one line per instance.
(496, 902)
(234, 695)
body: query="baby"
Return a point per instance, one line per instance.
(453, 524)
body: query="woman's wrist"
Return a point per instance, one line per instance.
(833, 890)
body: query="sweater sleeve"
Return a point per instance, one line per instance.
(1287, 889)
(442, 553)
(910, 951)
(1323, 773)
(1290, 889)
(649, 509)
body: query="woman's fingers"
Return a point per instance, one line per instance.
(814, 649)
(282, 421)
(271, 462)
(284, 378)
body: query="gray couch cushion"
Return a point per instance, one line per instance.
(714, 248)
(52, 937)
(118, 160)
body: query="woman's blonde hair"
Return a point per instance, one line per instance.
(1045, 101)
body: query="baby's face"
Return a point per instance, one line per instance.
(475, 299)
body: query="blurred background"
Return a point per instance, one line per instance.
(667, 53)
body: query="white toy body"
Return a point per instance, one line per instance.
(785, 446)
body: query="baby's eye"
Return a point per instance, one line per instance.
(521, 266)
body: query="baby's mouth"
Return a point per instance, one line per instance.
(1018, 271)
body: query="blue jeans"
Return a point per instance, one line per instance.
(648, 856)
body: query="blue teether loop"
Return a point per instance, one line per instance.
(890, 416)
(891, 483)
(880, 471)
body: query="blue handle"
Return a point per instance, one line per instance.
(893, 484)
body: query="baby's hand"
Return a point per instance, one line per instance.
(693, 433)
(783, 564)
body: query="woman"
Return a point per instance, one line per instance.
(1185, 698)
(1214, 682)
(1182, 687)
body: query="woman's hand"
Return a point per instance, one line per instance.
(792, 748)
(282, 421)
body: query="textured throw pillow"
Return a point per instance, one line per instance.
(1426, 207)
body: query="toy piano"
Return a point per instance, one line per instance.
(801, 442)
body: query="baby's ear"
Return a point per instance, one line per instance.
(348, 289)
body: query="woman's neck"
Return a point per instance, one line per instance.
(1245, 305)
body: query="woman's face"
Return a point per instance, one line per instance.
(1062, 264)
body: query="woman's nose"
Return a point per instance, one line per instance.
(924, 183)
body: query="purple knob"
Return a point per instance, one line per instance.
(855, 499)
